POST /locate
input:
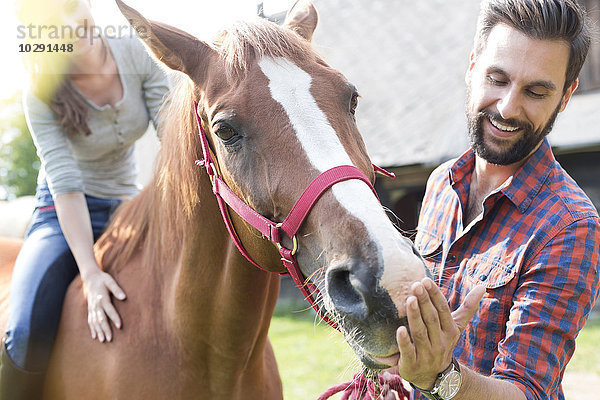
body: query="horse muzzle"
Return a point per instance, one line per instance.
(367, 312)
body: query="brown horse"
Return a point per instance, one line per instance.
(196, 318)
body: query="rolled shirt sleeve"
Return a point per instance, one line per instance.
(556, 291)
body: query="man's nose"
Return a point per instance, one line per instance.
(509, 104)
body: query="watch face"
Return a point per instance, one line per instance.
(449, 385)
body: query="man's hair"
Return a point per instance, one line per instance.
(540, 19)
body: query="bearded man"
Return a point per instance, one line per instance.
(508, 235)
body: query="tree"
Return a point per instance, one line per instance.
(19, 163)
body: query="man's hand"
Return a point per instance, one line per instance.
(434, 331)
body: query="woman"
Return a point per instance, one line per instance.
(84, 123)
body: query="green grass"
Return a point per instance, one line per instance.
(587, 355)
(311, 356)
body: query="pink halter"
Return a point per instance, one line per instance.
(272, 230)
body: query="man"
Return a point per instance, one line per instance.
(505, 217)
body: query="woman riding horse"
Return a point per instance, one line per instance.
(85, 108)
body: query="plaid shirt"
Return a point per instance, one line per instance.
(535, 248)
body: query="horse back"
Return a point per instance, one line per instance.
(9, 249)
(137, 363)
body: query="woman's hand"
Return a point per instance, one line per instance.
(74, 218)
(98, 286)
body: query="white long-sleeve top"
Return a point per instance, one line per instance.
(103, 163)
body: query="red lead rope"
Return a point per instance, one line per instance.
(362, 388)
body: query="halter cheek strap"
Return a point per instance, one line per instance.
(292, 223)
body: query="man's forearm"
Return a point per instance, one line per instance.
(477, 387)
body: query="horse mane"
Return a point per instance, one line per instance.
(155, 221)
(246, 41)
(159, 215)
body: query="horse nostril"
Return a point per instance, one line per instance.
(348, 287)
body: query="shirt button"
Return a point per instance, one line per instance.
(483, 277)
(451, 258)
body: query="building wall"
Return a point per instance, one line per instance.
(584, 167)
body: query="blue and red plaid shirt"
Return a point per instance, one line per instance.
(535, 248)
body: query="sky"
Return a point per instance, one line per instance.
(200, 18)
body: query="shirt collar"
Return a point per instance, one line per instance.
(522, 187)
(525, 184)
(462, 168)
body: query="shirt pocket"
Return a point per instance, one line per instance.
(488, 326)
(491, 273)
(431, 249)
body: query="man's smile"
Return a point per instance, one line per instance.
(502, 127)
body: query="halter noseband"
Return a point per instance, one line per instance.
(272, 230)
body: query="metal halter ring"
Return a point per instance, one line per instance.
(294, 241)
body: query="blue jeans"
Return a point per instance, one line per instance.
(43, 271)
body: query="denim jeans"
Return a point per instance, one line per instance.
(43, 271)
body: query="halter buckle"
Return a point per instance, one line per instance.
(208, 165)
(210, 168)
(294, 241)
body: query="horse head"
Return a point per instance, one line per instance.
(276, 117)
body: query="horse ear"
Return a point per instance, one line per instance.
(175, 48)
(302, 18)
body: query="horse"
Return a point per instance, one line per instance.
(195, 322)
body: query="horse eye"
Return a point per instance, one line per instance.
(225, 132)
(353, 103)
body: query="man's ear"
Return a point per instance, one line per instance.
(567, 96)
(175, 48)
(302, 18)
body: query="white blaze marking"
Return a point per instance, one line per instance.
(290, 87)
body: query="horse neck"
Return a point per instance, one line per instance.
(222, 304)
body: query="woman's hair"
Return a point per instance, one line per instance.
(56, 90)
(48, 73)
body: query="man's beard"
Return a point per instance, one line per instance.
(518, 151)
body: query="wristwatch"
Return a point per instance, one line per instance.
(446, 385)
